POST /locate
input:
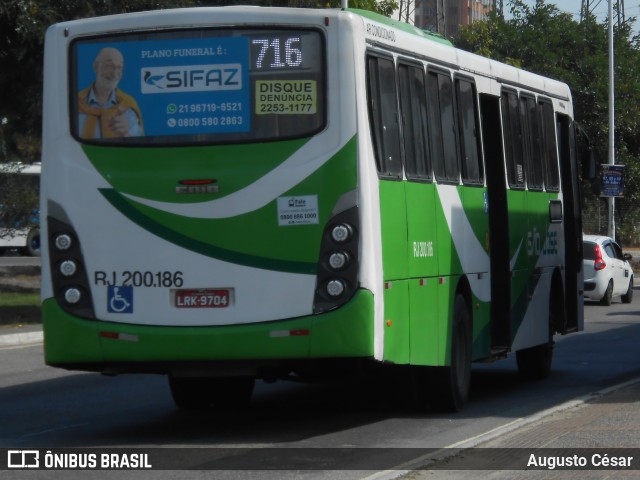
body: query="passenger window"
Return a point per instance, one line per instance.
(472, 171)
(442, 133)
(610, 250)
(383, 115)
(618, 251)
(532, 142)
(413, 109)
(513, 139)
(551, 174)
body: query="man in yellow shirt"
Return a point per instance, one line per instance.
(104, 111)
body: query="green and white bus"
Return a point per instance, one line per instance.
(240, 193)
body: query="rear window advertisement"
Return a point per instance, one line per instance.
(160, 88)
(197, 87)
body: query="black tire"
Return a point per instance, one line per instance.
(32, 249)
(628, 297)
(608, 294)
(453, 382)
(190, 393)
(201, 393)
(535, 363)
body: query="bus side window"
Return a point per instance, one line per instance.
(512, 139)
(383, 115)
(551, 174)
(413, 107)
(532, 142)
(442, 131)
(472, 171)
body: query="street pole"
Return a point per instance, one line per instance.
(611, 231)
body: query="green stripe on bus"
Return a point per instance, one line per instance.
(127, 208)
(153, 172)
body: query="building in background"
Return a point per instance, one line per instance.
(446, 16)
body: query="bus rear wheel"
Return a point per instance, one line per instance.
(452, 383)
(197, 393)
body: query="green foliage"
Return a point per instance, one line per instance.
(384, 7)
(545, 40)
(22, 27)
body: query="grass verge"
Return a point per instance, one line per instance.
(19, 300)
(17, 309)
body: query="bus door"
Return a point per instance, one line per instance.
(572, 223)
(539, 260)
(519, 218)
(498, 222)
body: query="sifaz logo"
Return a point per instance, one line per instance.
(191, 78)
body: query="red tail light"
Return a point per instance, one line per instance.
(598, 262)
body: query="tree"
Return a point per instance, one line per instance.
(545, 40)
(22, 27)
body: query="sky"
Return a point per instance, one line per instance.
(600, 8)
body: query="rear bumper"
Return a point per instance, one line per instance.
(594, 289)
(94, 345)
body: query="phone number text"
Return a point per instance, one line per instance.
(208, 107)
(206, 121)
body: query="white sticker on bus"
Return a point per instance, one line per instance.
(301, 210)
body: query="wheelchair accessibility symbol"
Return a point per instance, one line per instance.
(119, 299)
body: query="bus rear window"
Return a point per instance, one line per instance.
(197, 86)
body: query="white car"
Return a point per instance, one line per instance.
(607, 271)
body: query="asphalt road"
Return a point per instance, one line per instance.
(49, 408)
(12, 259)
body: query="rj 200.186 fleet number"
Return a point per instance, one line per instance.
(137, 278)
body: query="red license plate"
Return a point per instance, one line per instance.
(202, 298)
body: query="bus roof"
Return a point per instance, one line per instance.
(400, 25)
(405, 37)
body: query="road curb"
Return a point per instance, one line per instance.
(523, 421)
(454, 449)
(20, 339)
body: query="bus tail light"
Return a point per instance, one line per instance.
(62, 242)
(68, 275)
(337, 278)
(341, 232)
(339, 260)
(335, 287)
(68, 268)
(72, 295)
